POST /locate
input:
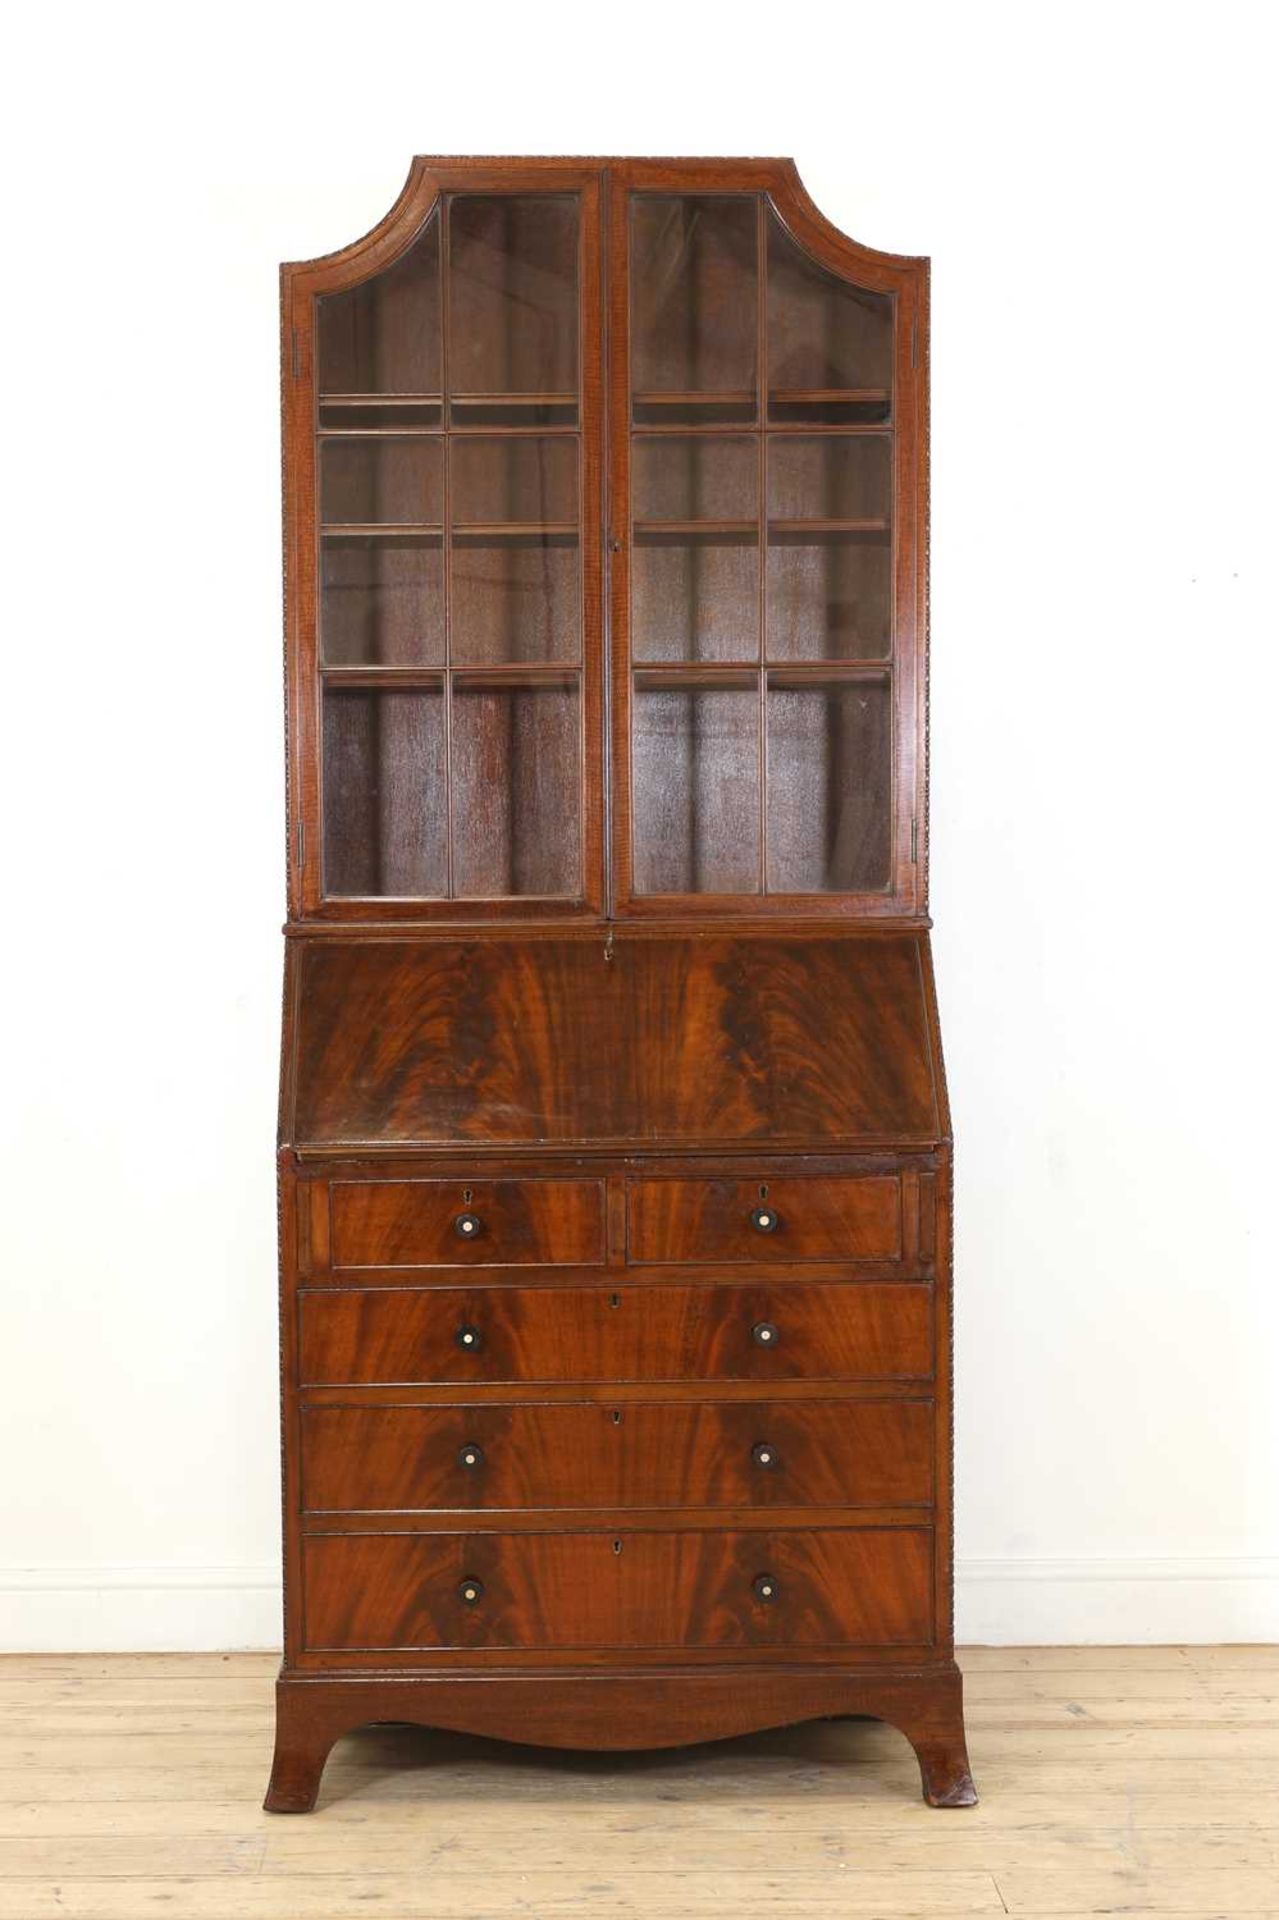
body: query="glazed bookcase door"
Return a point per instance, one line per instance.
(765, 466)
(443, 480)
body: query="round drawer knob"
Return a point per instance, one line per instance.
(764, 1219)
(468, 1225)
(470, 1339)
(764, 1587)
(470, 1591)
(764, 1454)
(470, 1456)
(765, 1334)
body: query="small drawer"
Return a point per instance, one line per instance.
(783, 1453)
(792, 1218)
(829, 1587)
(453, 1223)
(748, 1331)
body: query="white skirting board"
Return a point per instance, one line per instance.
(998, 1603)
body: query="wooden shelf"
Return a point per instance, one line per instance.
(502, 674)
(697, 673)
(382, 530)
(828, 526)
(818, 429)
(381, 399)
(694, 526)
(386, 433)
(746, 429)
(711, 528)
(777, 397)
(413, 529)
(480, 430)
(513, 399)
(828, 396)
(518, 674)
(799, 673)
(778, 672)
(515, 530)
(735, 397)
(454, 399)
(428, 678)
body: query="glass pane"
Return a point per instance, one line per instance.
(839, 476)
(382, 601)
(830, 596)
(515, 595)
(384, 337)
(693, 305)
(695, 477)
(695, 567)
(695, 788)
(830, 577)
(381, 482)
(513, 295)
(695, 597)
(826, 339)
(829, 786)
(515, 600)
(385, 817)
(500, 481)
(516, 790)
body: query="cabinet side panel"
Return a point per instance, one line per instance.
(293, 1202)
(943, 1360)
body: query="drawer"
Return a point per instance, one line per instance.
(787, 1453)
(452, 1223)
(749, 1331)
(831, 1587)
(799, 1218)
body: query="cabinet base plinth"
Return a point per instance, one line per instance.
(619, 1712)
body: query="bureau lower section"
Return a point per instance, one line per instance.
(665, 1445)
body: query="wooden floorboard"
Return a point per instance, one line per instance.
(1114, 1781)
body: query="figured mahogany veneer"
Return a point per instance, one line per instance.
(436, 1223)
(788, 1453)
(615, 1160)
(645, 1041)
(704, 1221)
(388, 1335)
(830, 1587)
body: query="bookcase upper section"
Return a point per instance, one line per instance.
(605, 496)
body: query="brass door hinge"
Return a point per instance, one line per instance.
(914, 843)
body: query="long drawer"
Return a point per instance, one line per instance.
(819, 1588)
(645, 1454)
(746, 1331)
(803, 1217)
(448, 1223)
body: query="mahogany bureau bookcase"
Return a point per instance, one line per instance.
(614, 1156)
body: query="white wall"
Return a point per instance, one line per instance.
(1091, 183)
